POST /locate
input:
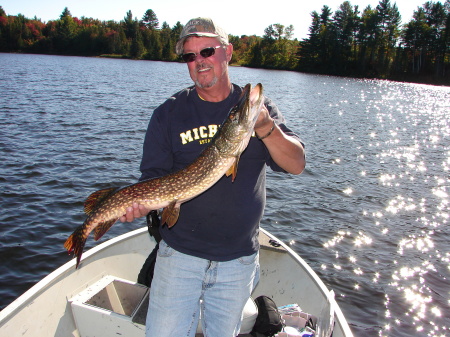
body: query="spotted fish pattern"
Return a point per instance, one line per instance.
(221, 156)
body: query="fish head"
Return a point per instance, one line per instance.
(235, 133)
(246, 111)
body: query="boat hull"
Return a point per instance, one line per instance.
(45, 309)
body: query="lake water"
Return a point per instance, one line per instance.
(369, 214)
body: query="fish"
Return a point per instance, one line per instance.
(221, 157)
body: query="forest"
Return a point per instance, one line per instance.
(362, 43)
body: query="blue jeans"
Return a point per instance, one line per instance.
(184, 285)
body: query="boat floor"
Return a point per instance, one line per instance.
(240, 335)
(141, 314)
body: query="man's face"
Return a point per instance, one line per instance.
(207, 72)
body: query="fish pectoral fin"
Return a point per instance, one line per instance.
(102, 228)
(232, 171)
(96, 198)
(170, 214)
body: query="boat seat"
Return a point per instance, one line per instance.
(114, 306)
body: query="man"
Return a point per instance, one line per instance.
(208, 261)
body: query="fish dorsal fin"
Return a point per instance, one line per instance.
(96, 198)
(102, 228)
(170, 214)
(232, 171)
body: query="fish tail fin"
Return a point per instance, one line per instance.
(75, 243)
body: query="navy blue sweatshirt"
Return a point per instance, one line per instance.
(222, 223)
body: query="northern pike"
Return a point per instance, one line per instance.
(221, 156)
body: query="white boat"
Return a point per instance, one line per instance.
(102, 298)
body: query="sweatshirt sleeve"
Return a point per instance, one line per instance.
(157, 157)
(281, 122)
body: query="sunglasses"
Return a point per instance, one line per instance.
(207, 52)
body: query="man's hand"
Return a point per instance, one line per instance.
(285, 150)
(264, 120)
(137, 211)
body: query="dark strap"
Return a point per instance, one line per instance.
(145, 276)
(153, 224)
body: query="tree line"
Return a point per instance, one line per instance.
(370, 43)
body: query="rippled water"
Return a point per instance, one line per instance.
(369, 214)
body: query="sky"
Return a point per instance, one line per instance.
(237, 17)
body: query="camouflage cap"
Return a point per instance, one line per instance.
(200, 27)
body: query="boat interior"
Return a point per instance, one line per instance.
(125, 303)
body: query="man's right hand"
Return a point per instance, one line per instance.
(134, 212)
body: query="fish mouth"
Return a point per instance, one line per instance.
(256, 101)
(250, 104)
(256, 95)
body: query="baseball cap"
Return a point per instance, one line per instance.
(200, 27)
